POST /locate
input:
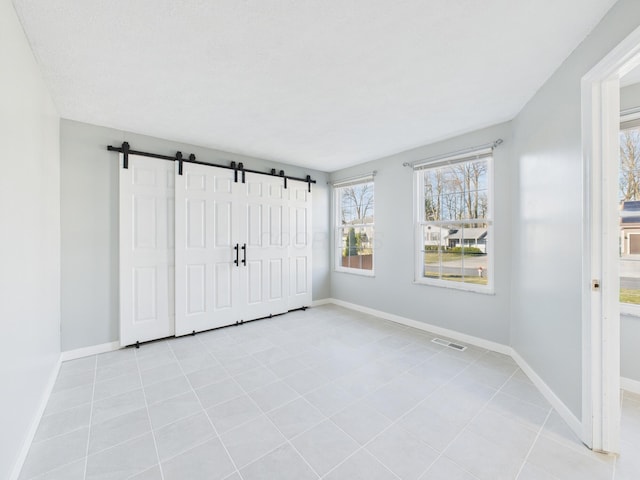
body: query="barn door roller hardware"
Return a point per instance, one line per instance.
(126, 151)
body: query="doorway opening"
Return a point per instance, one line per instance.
(601, 243)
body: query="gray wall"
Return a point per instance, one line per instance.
(89, 203)
(630, 325)
(392, 289)
(29, 239)
(547, 215)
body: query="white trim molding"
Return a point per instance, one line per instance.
(31, 433)
(558, 405)
(630, 385)
(427, 327)
(322, 301)
(88, 351)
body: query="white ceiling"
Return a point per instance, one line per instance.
(321, 84)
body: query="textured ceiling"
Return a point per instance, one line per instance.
(322, 84)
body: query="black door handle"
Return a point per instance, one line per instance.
(236, 248)
(244, 254)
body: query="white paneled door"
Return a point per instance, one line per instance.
(146, 249)
(264, 242)
(299, 245)
(207, 252)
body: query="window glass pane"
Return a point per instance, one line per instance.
(432, 193)
(357, 201)
(460, 255)
(452, 179)
(355, 226)
(474, 252)
(357, 247)
(629, 195)
(456, 251)
(349, 215)
(434, 238)
(452, 206)
(456, 192)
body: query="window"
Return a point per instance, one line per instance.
(354, 230)
(629, 198)
(453, 222)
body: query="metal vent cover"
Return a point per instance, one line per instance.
(447, 343)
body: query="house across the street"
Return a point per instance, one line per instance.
(630, 228)
(469, 237)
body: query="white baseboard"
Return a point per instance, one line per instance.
(88, 351)
(567, 415)
(630, 385)
(427, 327)
(36, 421)
(322, 301)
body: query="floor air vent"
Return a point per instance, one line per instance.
(449, 344)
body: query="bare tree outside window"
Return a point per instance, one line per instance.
(456, 192)
(357, 202)
(629, 165)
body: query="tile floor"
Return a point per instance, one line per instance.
(327, 393)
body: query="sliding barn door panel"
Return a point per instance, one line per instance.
(264, 229)
(206, 222)
(146, 250)
(300, 294)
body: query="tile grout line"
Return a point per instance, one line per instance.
(287, 440)
(397, 421)
(482, 409)
(205, 411)
(86, 456)
(152, 429)
(63, 411)
(265, 414)
(146, 404)
(232, 377)
(533, 444)
(74, 430)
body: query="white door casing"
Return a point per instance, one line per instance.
(601, 306)
(207, 221)
(300, 245)
(146, 249)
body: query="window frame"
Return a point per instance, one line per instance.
(419, 223)
(630, 121)
(337, 227)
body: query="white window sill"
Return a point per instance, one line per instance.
(465, 287)
(355, 271)
(630, 310)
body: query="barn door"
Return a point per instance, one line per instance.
(264, 236)
(207, 222)
(146, 249)
(300, 245)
